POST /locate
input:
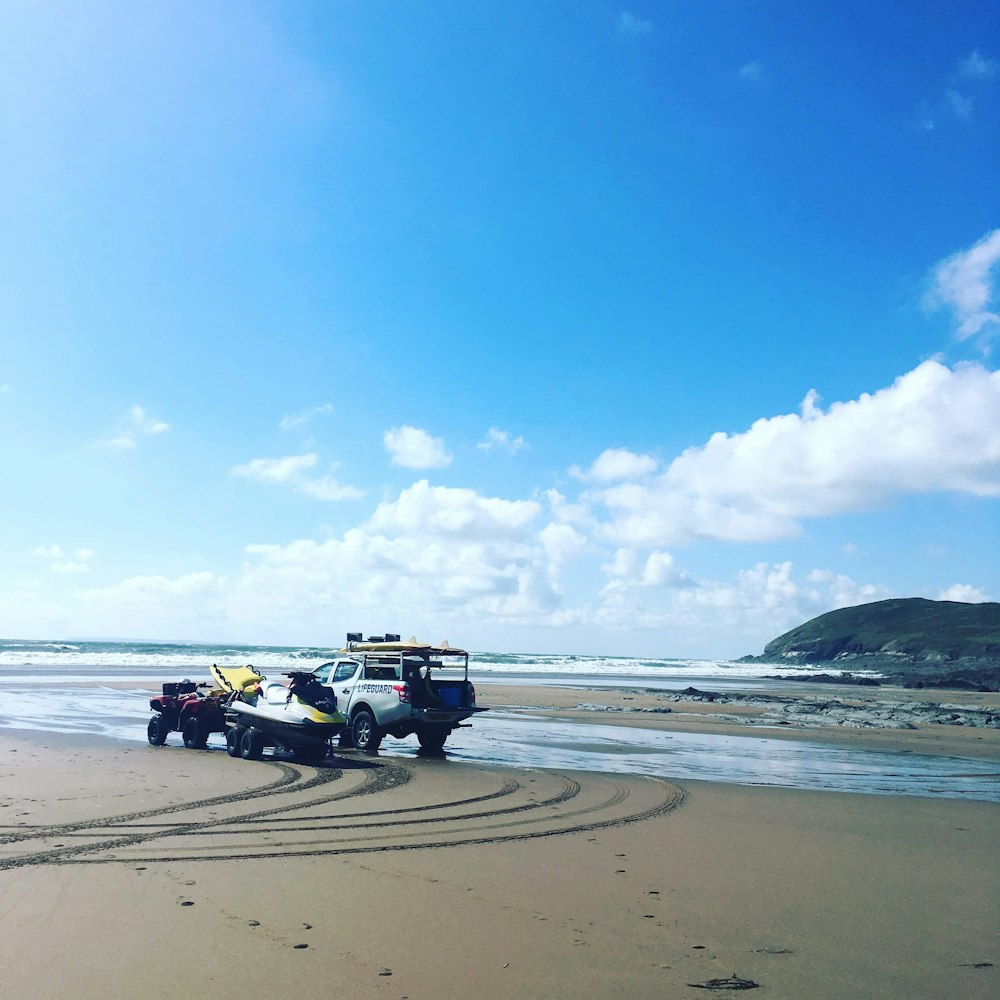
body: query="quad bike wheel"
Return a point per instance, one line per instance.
(194, 734)
(156, 731)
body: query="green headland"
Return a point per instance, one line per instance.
(913, 641)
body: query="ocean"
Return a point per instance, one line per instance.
(97, 661)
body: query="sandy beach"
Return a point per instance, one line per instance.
(129, 871)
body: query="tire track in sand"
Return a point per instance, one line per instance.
(438, 807)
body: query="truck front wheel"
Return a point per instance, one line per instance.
(365, 732)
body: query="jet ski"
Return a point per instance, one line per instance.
(300, 716)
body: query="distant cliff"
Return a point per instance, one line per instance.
(911, 640)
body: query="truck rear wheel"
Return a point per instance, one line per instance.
(433, 737)
(365, 732)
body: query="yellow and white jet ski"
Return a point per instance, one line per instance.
(299, 716)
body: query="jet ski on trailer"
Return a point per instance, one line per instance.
(300, 716)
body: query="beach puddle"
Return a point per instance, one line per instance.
(515, 741)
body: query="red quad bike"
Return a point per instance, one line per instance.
(183, 709)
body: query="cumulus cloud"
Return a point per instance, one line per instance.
(138, 424)
(434, 551)
(751, 71)
(292, 471)
(75, 562)
(964, 594)
(975, 67)
(496, 438)
(964, 283)
(616, 463)
(960, 104)
(654, 592)
(294, 421)
(633, 26)
(934, 429)
(413, 448)
(425, 510)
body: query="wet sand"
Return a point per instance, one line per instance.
(129, 871)
(650, 709)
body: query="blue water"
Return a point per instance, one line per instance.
(498, 738)
(155, 661)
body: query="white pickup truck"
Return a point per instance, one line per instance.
(387, 687)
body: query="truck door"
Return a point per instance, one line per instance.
(342, 680)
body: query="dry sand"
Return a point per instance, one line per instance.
(128, 871)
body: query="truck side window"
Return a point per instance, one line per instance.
(344, 672)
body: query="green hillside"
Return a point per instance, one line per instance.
(904, 637)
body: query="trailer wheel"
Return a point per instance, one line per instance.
(233, 738)
(252, 745)
(433, 738)
(194, 734)
(366, 732)
(156, 731)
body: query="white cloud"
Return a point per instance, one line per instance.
(4, 388)
(562, 542)
(434, 551)
(496, 438)
(414, 448)
(49, 552)
(276, 470)
(79, 562)
(441, 511)
(960, 104)
(293, 421)
(617, 463)
(751, 71)
(975, 67)
(291, 471)
(934, 429)
(843, 592)
(138, 423)
(763, 601)
(964, 283)
(151, 605)
(632, 25)
(964, 594)
(146, 424)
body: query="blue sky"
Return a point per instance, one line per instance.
(650, 329)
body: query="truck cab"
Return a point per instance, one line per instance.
(386, 687)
